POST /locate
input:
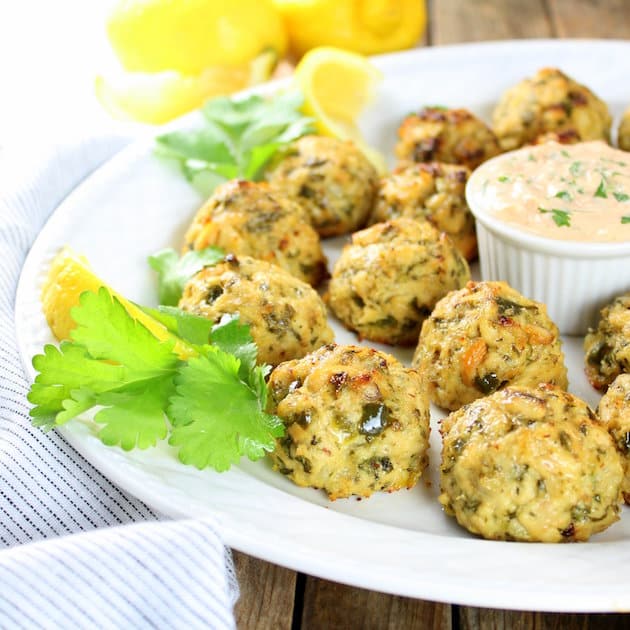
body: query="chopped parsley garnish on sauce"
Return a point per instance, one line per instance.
(563, 194)
(575, 168)
(625, 219)
(565, 153)
(503, 179)
(562, 218)
(601, 190)
(619, 196)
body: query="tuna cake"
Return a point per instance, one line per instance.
(357, 421)
(248, 218)
(550, 105)
(435, 192)
(286, 316)
(332, 179)
(389, 278)
(438, 134)
(623, 136)
(614, 413)
(607, 348)
(529, 464)
(484, 337)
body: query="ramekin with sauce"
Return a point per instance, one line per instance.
(554, 222)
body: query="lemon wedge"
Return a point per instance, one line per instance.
(337, 86)
(158, 97)
(68, 277)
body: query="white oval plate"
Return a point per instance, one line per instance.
(400, 543)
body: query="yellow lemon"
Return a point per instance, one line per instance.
(189, 36)
(365, 26)
(337, 86)
(69, 276)
(161, 96)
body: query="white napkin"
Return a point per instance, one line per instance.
(161, 574)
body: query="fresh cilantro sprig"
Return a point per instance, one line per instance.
(238, 138)
(211, 405)
(173, 271)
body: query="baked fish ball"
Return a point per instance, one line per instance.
(614, 413)
(623, 137)
(357, 421)
(607, 348)
(550, 102)
(529, 464)
(484, 337)
(439, 134)
(248, 218)
(332, 179)
(435, 192)
(390, 276)
(286, 316)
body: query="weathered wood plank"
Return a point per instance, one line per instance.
(267, 594)
(335, 606)
(486, 619)
(453, 21)
(591, 18)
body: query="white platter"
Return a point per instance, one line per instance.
(400, 543)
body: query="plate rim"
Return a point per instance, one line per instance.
(244, 539)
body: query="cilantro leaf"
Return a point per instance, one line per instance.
(63, 371)
(192, 328)
(120, 338)
(211, 404)
(208, 390)
(564, 195)
(621, 197)
(232, 337)
(562, 218)
(239, 137)
(625, 219)
(173, 271)
(575, 168)
(601, 190)
(135, 417)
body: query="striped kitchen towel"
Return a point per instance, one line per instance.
(153, 574)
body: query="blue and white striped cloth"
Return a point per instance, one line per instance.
(152, 574)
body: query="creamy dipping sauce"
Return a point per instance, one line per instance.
(578, 192)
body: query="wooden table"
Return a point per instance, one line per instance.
(276, 598)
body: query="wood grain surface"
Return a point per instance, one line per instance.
(277, 598)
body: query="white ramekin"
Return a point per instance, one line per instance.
(574, 279)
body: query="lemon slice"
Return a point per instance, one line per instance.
(337, 86)
(69, 276)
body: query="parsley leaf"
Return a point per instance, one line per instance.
(503, 179)
(174, 272)
(621, 197)
(211, 404)
(601, 190)
(562, 218)
(575, 168)
(239, 136)
(625, 219)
